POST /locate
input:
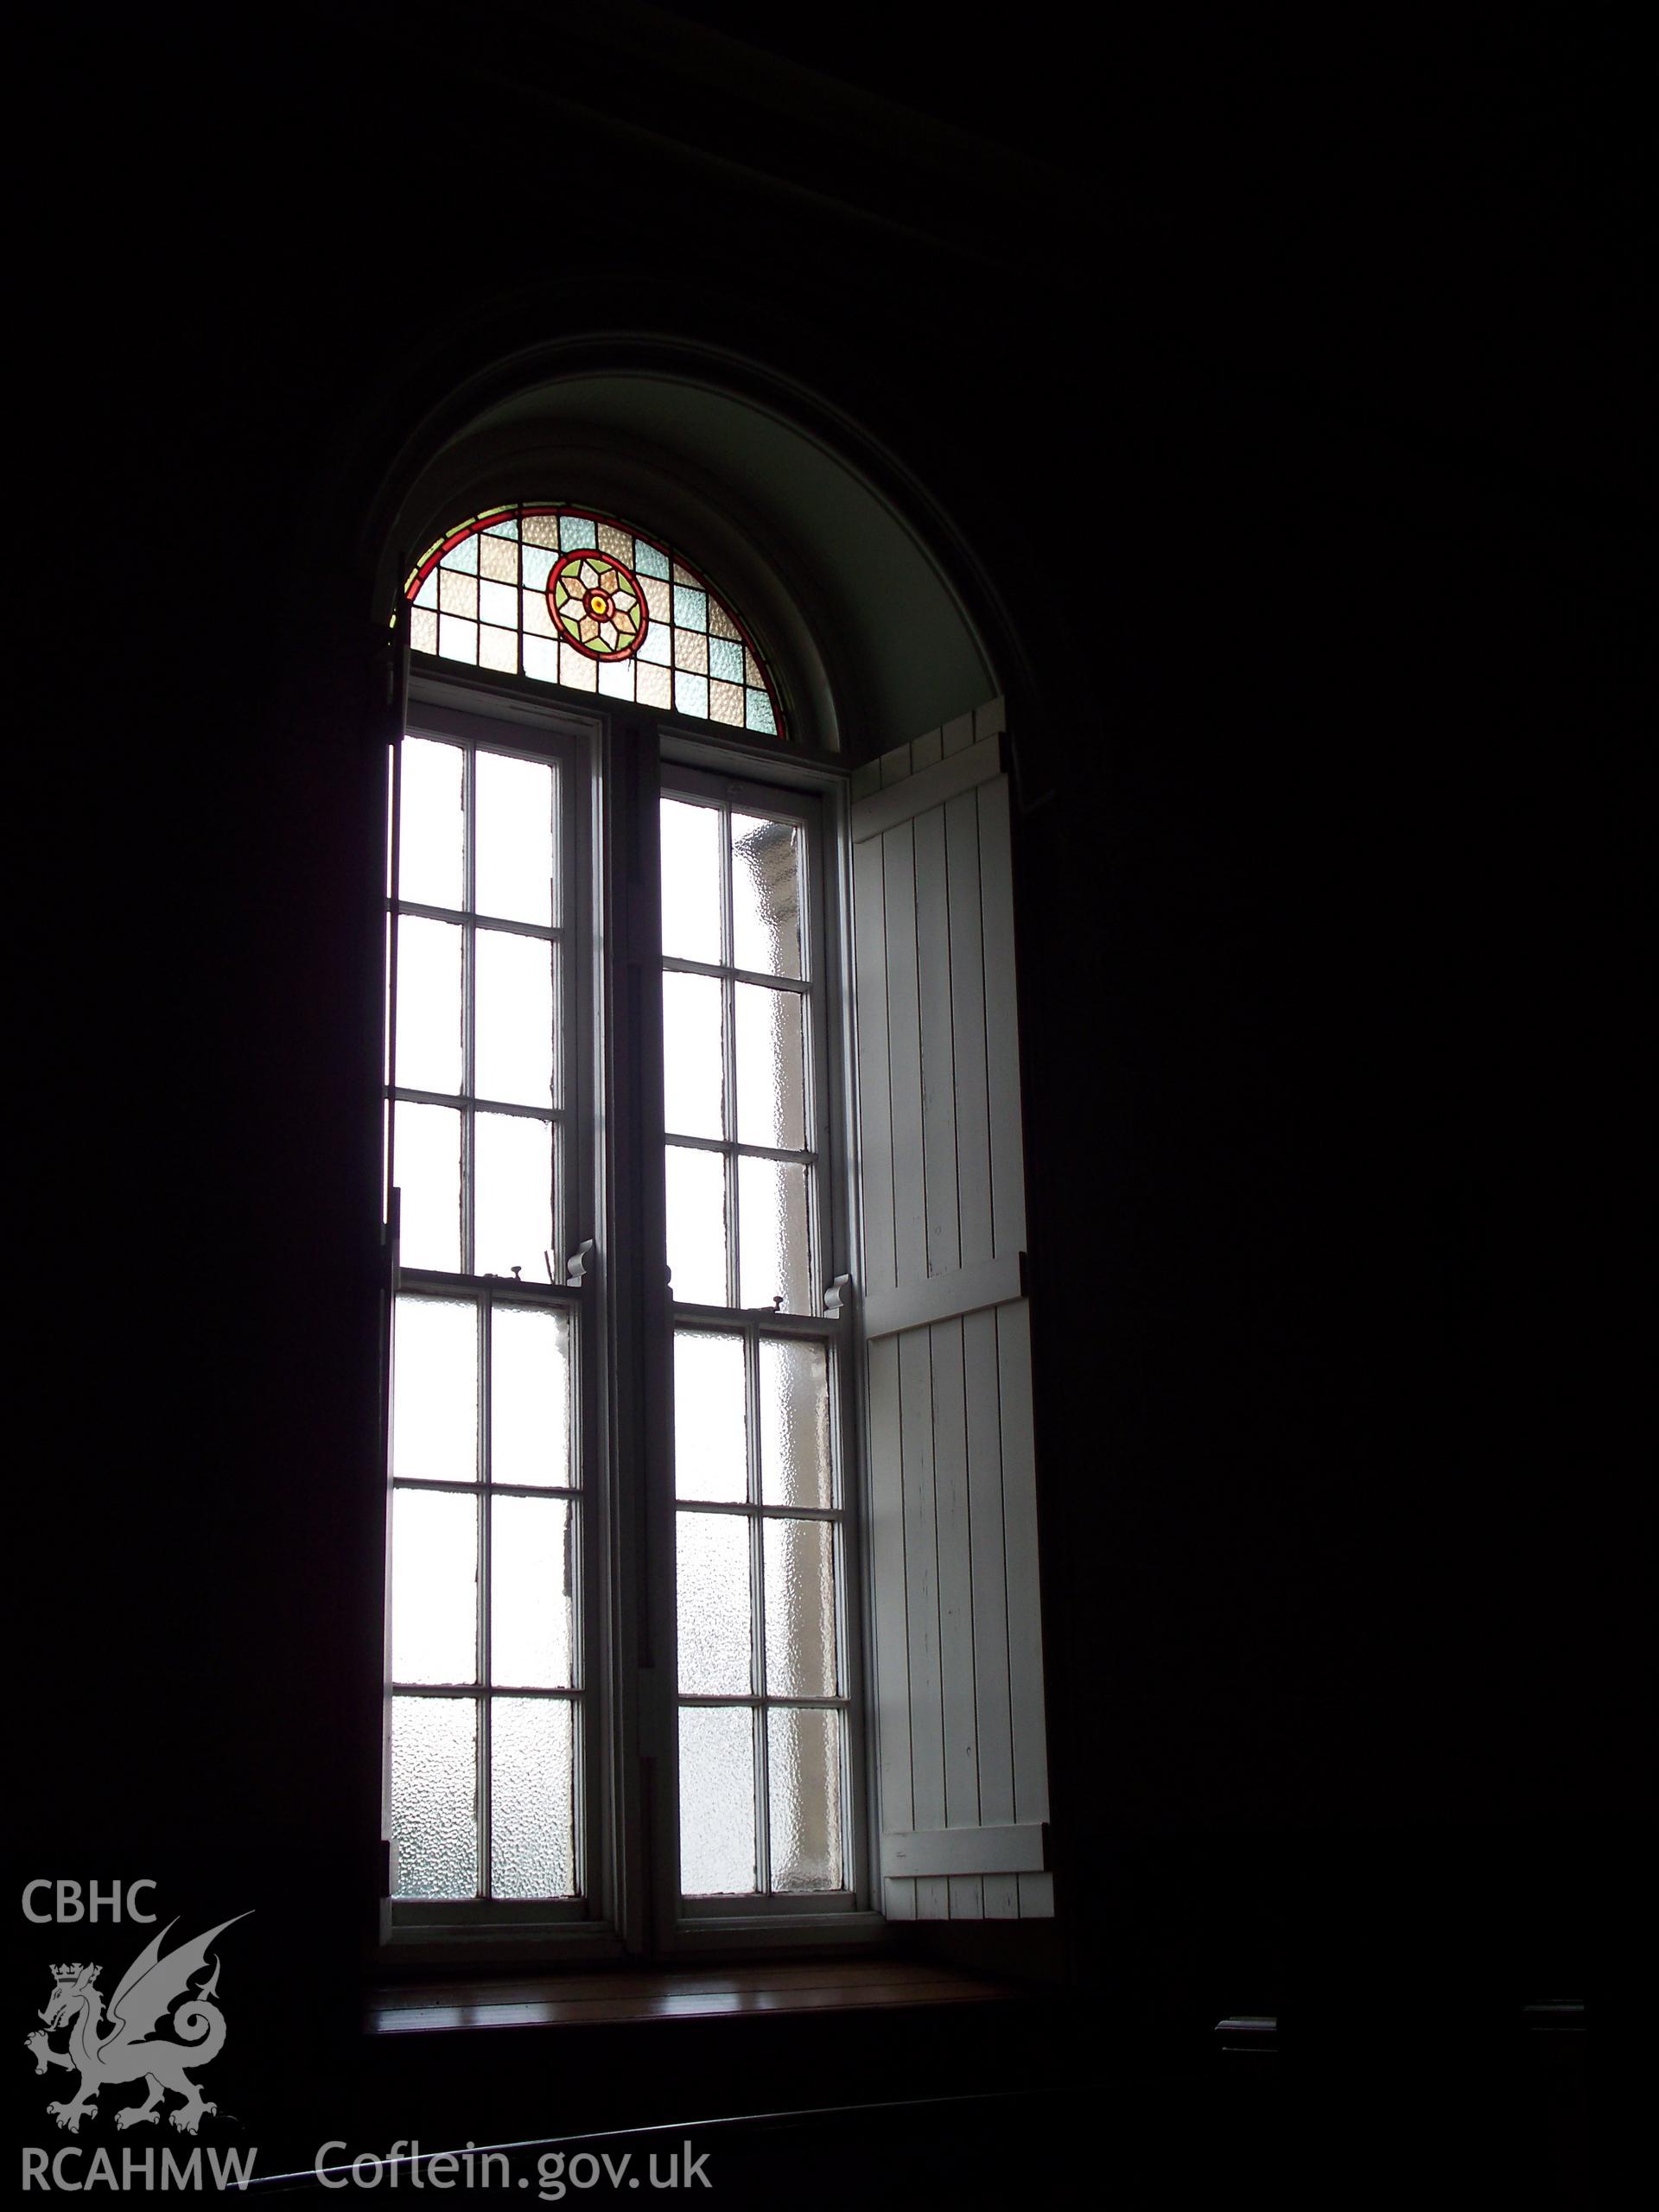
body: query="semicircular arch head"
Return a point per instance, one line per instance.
(569, 595)
(864, 610)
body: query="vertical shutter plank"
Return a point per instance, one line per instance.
(1001, 1897)
(1036, 1895)
(888, 1575)
(921, 1581)
(1020, 1541)
(967, 1896)
(962, 1808)
(939, 1068)
(969, 1068)
(996, 893)
(904, 1058)
(991, 1694)
(874, 1117)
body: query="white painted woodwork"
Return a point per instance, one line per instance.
(966, 1851)
(961, 1753)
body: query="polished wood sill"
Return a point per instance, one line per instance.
(686, 1993)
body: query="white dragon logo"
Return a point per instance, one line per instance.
(123, 2048)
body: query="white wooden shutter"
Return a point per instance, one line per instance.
(963, 1765)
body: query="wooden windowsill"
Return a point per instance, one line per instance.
(687, 1993)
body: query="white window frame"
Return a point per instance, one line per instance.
(617, 760)
(814, 794)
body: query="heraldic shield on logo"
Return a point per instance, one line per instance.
(111, 2047)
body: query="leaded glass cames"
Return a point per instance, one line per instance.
(569, 596)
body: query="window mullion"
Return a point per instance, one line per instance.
(469, 1161)
(757, 1608)
(729, 1051)
(468, 980)
(485, 1540)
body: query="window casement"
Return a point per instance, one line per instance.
(713, 1615)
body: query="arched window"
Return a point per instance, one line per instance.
(695, 1439)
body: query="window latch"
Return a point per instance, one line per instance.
(580, 1265)
(838, 1298)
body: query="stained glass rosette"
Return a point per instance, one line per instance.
(569, 596)
(598, 606)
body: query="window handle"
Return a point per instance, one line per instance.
(838, 1298)
(582, 1263)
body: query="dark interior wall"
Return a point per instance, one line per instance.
(1292, 433)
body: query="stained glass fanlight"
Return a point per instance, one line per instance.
(570, 597)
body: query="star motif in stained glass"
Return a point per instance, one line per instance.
(597, 604)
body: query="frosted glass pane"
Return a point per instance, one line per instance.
(803, 1797)
(694, 1058)
(512, 1040)
(716, 1801)
(577, 671)
(714, 1605)
(513, 1201)
(800, 1582)
(796, 1468)
(434, 1391)
(530, 1397)
(433, 1797)
(434, 1587)
(498, 603)
(498, 556)
(497, 648)
(427, 1170)
(532, 1797)
(766, 895)
(770, 1050)
(710, 1418)
(532, 1567)
(691, 894)
(696, 1225)
(429, 1005)
(652, 685)
(430, 825)
(775, 1255)
(514, 864)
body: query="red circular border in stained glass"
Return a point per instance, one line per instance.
(597, 604)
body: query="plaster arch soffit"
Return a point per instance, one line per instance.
(869, 631)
